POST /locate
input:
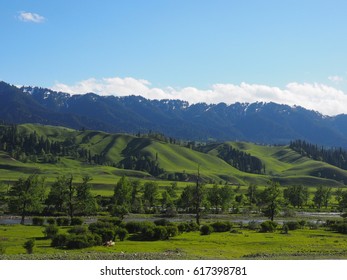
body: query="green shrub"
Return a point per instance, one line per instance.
(293, 225)
(77, 230)
(80, 241)
(122, 233)
(76, 221)
(133, 226)
(172, 230)
(99, 224)
(188, 226)
(160, 233)
(206, 230)
(50, 231)
(51, 221)
(59, 240)
(268, 226)
(147, 232)
(146, 224)
(106, 234)
(193, 226)
(29, 246)
(313, 225)
(38, 221)
(221, 226)
(182, 227)
(302, 223)
(285, 229)
(340, 227)
(253, 225)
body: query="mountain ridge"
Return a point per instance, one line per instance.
(259, 122)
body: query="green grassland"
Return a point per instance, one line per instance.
(281, 163)
(245, 244)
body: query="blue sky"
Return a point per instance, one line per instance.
(291, 52)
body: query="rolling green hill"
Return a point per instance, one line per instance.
(176, 162)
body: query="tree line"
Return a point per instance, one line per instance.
(240, 160)
(336, 157)
(32, 196)
(34, 148)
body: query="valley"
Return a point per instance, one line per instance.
(234, 178)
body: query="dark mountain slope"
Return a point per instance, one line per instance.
(257, 122)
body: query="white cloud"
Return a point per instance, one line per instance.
(336, 79)
(325, 99)
(30, 17)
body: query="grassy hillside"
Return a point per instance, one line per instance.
(279, 162)
(291, 168)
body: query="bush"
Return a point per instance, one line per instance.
(29, 246)
(146, 224)
(106, 230)
(38, 221)
(122, 233)
(220, 226)
(76, 221)
(160, 233)
(147, 232)
(182, 227)
(51, 221)
(253, 225)
(302, 223)
(293, 225)
(193, 226)
(285, 229)
(80, 241)
(106, 234)
(312, 225)
(188, 227)
(172, 230)
(50, 231)
(206, 230)
(77, 230)
(133, 227)
(95, 226)
(340, 227)
(268, 226)
(63, 221)
(59, 240)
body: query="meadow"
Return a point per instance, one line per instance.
(243, 244)
(280, 163)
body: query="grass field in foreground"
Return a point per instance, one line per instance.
(247, 244)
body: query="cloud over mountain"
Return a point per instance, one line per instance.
(315, 96)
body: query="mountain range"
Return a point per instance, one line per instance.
(265, 123)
